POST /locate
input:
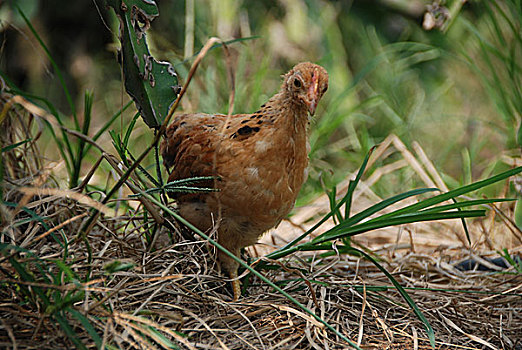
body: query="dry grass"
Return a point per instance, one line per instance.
(173, 291)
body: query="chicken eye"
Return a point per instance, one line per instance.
(325, 88)
(297, 83)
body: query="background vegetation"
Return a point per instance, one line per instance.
(389, 75)
(452, 92)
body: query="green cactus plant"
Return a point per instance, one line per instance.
(153, 85)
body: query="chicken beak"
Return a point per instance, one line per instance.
(312, 93)
(312, 106)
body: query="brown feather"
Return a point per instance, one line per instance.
(260, 161)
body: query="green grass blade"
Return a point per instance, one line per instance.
(179, 189)
(516, 10)
(190, 189)
(66, 269)
(55, 67)
(154, 334)
(106, 126)
(405, 295)
(4, 248)
(87, 325)
(353, 184)
(129, 130)
(464, 225)
(116, 142)
(144, 171)
(398, 287)
(87, 116)
(453, 193)
(182, 186)
(346, 198)
(248, 267)
(337, 217)
(35, 217)
(66, 327)
(62, 146)
(189, 180)
(68, 157)
(157, 163)
(384, 204)
(15, 145)
(378, 207)
(516, 264)
(464, 204)
(487, 45)
(26, 276)
(340, 232)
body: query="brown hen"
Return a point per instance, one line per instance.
(260, 161)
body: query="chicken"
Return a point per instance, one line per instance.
(259, 162)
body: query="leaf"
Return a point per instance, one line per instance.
(337, 217)
(182, 186)
(27, 277)
(77, 160)
(104, 128)
(118, 265)
(246, 266)
(152, 85)
(129, 131)
(341, 231)
(154, 334)
(87, 325)
(346, 199)
(14, 145)
(353, 184)
(384, 204)
(55, 66)
(66, 327)
(405, 295)
(515, 262)
(454, 193)
(468, 203)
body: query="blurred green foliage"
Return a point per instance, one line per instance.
(152, 85)
(455, 91)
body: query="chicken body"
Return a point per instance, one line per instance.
(260, 161)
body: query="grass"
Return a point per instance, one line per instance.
(115, 281)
